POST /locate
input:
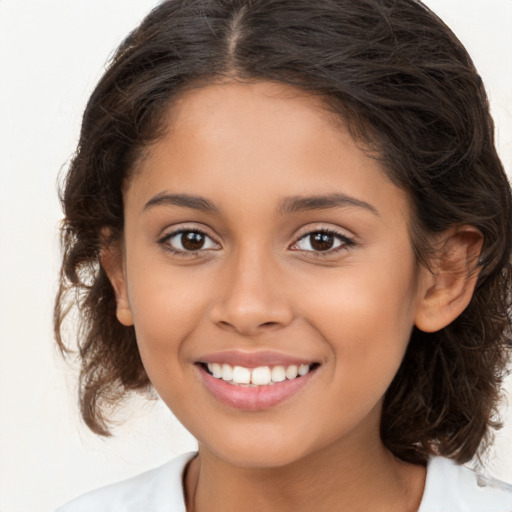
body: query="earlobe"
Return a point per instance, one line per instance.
(112, 261)
(447, 287)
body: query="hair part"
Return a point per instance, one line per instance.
(405, 86)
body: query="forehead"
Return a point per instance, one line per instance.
(240, 140)
(201, 104)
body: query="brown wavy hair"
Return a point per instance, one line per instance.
(405, 85)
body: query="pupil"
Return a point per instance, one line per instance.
(322, 241)
(192, 240)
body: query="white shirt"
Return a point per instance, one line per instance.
(448, 488)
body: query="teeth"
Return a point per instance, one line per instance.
(241, 375)
(292, 371)
(303, 369)
(278, 374)
(227, 372)
(260, 376)
(216, 370)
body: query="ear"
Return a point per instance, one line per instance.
(447, 287)
(112, 261)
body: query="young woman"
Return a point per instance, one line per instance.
(290, 220)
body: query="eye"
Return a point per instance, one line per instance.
(322, 241)
(189, 240)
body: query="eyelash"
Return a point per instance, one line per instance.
(344, 242)
(165, 242)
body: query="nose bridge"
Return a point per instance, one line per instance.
(251, 297)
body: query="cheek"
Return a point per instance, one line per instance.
(166, 307)
(367, 328)
(166, 311)
(366, 316)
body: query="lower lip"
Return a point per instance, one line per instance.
(253, 398)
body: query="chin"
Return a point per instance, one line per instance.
(260, 457)
(256, 450)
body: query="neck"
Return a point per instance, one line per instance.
(337, 478)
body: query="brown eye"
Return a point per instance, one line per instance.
(189, 241)
(192, 240)
(322, 241)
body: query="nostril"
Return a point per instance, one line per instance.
(248, 329)
(250, 317)
(225, 324)
(269, 324)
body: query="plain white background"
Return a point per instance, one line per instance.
(51, 55)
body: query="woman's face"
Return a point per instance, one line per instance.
(261, 241)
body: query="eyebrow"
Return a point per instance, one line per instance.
(183, 200)
(323, 202)
(289, 205)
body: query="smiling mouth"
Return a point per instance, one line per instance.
(259, 376)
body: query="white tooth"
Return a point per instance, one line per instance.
(292, 371)
(216, 370)
(303, 369)
(227, 372)
(241, 375)
(278, 374)
(261, 375)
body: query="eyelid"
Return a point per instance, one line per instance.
(173, 231)
(346, 240)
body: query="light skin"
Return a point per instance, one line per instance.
(257, 174)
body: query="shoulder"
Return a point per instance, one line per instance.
(453, 488)
(157, 490)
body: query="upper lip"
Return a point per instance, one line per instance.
(254, 359)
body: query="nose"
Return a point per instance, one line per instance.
(252, 298)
